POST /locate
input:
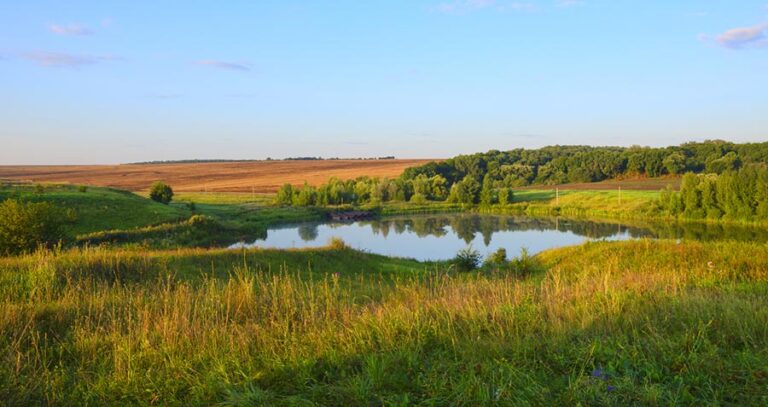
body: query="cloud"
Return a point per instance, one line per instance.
(70, 29)
(569, 3)
(63, 60)
(232, 66)
(742, 37)
(465, 6)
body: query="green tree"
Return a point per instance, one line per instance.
(285, 195)
(26, 225)
(674, 163)
(306, 197)
(465, 191)
(439, 187)
(487, 196)
(161, 192)
(506, 195)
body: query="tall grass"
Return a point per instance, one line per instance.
(607, 323)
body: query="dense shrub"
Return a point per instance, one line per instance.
(285, 195)
(337, 243)
(24, 226)
(161, 192)
(467, 259)
(497, 258)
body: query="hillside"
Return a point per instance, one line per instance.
(246, 176)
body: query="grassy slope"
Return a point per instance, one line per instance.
(607, 323)
(106, 214)
(101, 208)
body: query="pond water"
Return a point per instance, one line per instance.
(439, 237)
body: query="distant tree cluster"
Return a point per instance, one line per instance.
(732, 195)
(501, 170)
(420, 189)
(364, 190)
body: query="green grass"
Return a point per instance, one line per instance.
(624, 204)
(98, 208)
(227, 198)
(621, 323)
(122, 217)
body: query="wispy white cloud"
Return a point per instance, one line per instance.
(742, 37)
(64, 60)
(465, 6)
(569, 3)
(232, 66)
(69, 29)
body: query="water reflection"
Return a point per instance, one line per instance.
(436, 237)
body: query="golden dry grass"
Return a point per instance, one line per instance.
(257, 176)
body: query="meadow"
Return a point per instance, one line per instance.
(639, 322)
(161, 316)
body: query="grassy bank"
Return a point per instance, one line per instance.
(122, 217)
(98, 208)
(618, 323)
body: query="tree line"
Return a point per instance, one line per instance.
(732, 195)
(564, 164)
(489, 178)
(420, 189)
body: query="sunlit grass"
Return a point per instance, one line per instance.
(621, 323)
(225, 198)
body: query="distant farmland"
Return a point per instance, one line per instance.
(246, 176)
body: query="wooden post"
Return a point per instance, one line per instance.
(557, 196)
(619, 195)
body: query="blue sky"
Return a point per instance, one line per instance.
(117, 81)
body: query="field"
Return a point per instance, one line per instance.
(634, 184)
(653, 323)
(161, 316)
(257, 176)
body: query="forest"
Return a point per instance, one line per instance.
(488, 178)
(733, 195)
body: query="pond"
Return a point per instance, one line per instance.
(439, 237)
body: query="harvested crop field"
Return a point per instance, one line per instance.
(244, 176)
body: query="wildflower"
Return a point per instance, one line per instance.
(711, 265)
(611, 388)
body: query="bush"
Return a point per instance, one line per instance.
(161, 192)
(285, 195)
(82, 189)
(199, 220)
(467, 259)
(524, 264)
(337, 243)
(26, 225)
(498, 258)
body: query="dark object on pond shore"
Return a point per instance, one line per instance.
(351, 215)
